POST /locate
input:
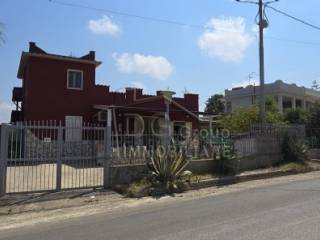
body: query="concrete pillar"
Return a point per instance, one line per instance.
(304, 104)
(4, 141)
(280, 103)
(107, 174)
(293, 103)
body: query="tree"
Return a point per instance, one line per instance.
(215, 105)
(296, 116)
(271, 105)
(315, 85)
(243, 119)
(314, 116)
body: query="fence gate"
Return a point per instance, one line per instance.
(47, 156)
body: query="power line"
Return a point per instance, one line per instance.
(294, 18)
(161, 20)
(293, 41)
(166, 21)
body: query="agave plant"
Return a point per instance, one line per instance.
(169, 170)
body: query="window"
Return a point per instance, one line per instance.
(75, 79)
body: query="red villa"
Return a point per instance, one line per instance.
(62, 88)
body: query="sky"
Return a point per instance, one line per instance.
(217, 49)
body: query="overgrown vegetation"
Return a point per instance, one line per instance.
(298, 167)
(243, 119)
(227, 163)
(314, 116)
(294, 149)
(137, 189)
(296, 116)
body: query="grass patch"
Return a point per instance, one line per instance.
(196, 178)
(300, 167)
(137, 189)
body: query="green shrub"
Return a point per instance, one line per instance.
(241, 120)
(294, 149)
(227, 163)
(296, 116)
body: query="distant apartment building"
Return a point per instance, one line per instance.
(287, 96)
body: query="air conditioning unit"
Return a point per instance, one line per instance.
(102, 116)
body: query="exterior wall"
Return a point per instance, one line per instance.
(314, 153)
(241, 102)
(46, 97)
(127, 173)
(46, 93)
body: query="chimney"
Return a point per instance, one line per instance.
(133, 94)
(32, 45)
(90, 56)
(167, 93)
(192, 101)
(33, 48)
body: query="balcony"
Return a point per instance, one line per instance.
(16, 116)
(17, 94)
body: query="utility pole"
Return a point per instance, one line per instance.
(262, 104)
(262, 23)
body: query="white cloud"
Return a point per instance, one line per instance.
(255, 29)
(245, 83)
(5, 112)
(157, 67)
(104, 25)
(226, 39)
(136, 84)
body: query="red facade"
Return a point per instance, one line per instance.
(45, 95)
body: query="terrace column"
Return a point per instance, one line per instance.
(293, 103)
(280, 103)
(304, 104)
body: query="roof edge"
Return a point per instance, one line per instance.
(26, 55)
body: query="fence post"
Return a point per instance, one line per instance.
(59, 157)
(3, 158)
(107, 175)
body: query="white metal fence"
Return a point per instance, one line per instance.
(48, 156)
(44, 156)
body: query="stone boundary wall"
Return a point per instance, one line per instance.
(314, 153)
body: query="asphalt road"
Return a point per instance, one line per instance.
(286, 211)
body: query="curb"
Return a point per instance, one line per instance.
(237, 179)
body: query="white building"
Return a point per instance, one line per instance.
(286, 95)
